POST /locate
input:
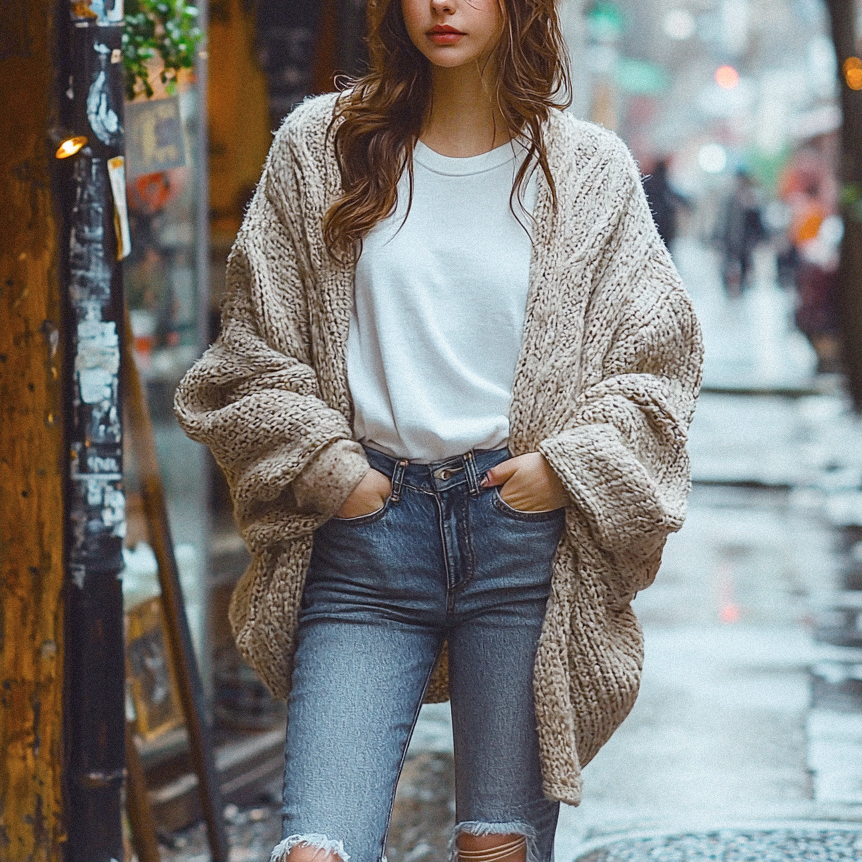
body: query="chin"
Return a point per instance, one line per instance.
(449, 61)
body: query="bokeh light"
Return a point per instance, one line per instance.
(70, 146)
(712, 158)
(679, 24)
(726, 77)
(853, 73)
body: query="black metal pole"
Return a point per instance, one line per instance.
(95, 501)
(842, 17)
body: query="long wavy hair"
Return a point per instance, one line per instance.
(382, 114)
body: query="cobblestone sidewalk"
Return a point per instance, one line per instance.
(779, 845)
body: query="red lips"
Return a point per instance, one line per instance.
(443, 34)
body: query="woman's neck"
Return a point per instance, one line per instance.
(463, 119)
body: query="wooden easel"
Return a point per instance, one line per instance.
(143, 446)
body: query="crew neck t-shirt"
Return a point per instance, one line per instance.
(438, 316)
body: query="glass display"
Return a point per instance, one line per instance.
(165, 289)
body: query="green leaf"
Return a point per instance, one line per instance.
(164, 28)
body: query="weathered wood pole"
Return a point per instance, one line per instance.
(31, 445)
(842, 16)
(95, 501)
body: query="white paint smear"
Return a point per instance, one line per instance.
(97, 362)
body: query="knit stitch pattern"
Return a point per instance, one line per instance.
(604, 388)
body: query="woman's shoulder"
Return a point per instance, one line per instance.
(307, 126)
(573, 141)
(311, 114)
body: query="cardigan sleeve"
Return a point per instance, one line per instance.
(622, 456)
(254, 397)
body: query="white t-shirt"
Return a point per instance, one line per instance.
(439, 309)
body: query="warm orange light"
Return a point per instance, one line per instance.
(70, 146)
(726, 77)
(853, 73)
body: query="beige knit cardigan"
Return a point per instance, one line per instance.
(604, 388)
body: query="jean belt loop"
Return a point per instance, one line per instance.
(472, 476)
(398, 480)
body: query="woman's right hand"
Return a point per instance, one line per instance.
(368, 496)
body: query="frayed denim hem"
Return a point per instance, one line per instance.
(477, 827)
(318, 842)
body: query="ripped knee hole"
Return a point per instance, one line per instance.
(494, 851)
(309, 848)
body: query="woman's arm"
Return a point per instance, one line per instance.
(254, 396)
(622, 458)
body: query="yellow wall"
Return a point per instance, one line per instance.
(239, 134)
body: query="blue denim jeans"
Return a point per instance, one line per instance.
(443, 560)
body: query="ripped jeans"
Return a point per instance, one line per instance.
(443, 560)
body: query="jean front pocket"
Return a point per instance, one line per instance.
(502, 506)
(362, 520)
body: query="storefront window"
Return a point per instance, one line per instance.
(166, 288)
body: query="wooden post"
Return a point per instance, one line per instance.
(31, 446)
(141, 820)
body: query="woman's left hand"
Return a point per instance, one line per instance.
(529, 483)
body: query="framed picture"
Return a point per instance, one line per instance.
(150, 671)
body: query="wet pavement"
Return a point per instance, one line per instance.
(769, 845)
(746, 740)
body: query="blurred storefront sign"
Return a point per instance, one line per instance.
(154, 136)
(640, 77)
(605, 21)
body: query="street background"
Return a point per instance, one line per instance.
(745, 117)
(749, 712)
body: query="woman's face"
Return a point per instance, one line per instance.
(452, 33)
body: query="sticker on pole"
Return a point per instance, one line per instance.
(117, 174)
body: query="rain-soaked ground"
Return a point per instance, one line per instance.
(746, 741)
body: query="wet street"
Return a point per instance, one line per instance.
(746, 741)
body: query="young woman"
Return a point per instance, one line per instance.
(450, 396)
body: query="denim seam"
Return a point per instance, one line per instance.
(535, 517)
(407, 744)
(370, 518)
(421, 490)
(443, 545)
(465, 547)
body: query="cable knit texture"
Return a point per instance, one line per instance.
(605, 387)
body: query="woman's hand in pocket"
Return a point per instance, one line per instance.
(528, 483)
(368, 496)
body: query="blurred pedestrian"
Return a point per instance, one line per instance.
(818, 239)
(664, 201)
(742, 231)
(809, 188)
(450, 396)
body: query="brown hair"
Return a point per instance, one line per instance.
(381, 116)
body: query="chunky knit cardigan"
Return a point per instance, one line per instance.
(604, 388)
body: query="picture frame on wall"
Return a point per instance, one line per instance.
(150, 671)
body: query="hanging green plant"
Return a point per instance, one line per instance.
(158, 28)
(851, 199)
